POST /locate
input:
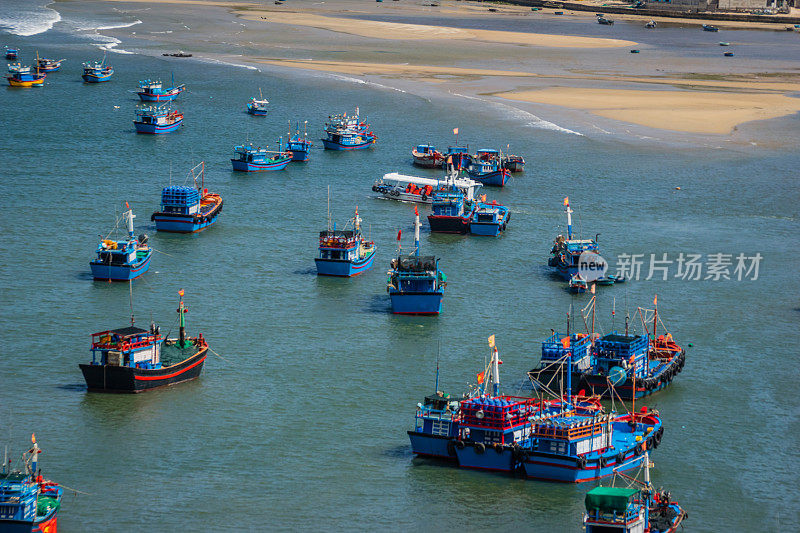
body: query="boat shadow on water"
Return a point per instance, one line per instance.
(310, 271)
(72, 387)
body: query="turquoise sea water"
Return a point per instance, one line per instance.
(303, 424)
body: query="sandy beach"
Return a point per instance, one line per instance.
(592, 75)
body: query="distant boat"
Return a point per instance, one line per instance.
(344, 252)
(489, 219)
(577, 284)
(348, 133)
(566, 252)
(258, 106)
(405, 188)
(513, 163)
(457, 157)
(11, 53)
(251, 159)
(49, 65)
(605, 21)
(188, 209)
(708, 27)
(652, 24)
(723, 43)
(22, 76)
(131, 359)
(28, 501)
(635, 51)
(451, 212)
(558, 13)
(153, 91)
(427, 156)
(299, 144)
(97, 72)
(122, 260)
(486, 167)
(157, 119)
(416, 284)
(728, 54)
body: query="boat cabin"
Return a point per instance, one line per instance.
(487, 154)
(449, 204)
(157, 116)
(415, 273)
(572, 435)
(560, 348)
(627, 351)
(614, 509)
(436, 415)
(338, 245)
(488, 214)
(130, 346)
(497, 420)
(116, 253)
(425, 149)
(180, 199)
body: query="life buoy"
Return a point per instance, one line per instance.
(656, 439)
(581, 462)
(602, 462)
(460, 444)
(424, 197)
(480, 447)
(374, 188)
(620, 458)
(638, 450)
(395, 193)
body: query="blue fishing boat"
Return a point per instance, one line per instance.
(709, 27)
(486, 167)
(157, 119)
(578, 284)
(513, 163)
(345, 252)
(488, 219)
(154, 91)
(427, 156)
(634, 508)
(457, 157)
(615, 365)
(436, 424)
(451, 212)
(565, 253)
(29, 503)
(298, 143)
(416, 284)
(188, 209)
(348, 133)
(11, 53)
(48, 65)
(97, 72)
(258, 106)
(132, 360)
(122, 260)
(251, 159)
(23, 76)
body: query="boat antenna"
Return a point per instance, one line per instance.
(416, 230)
(438, 353)
(495, 361)
(655, 316)
(182, 329)
(568, 313)
(594, 306)
(329, 207)
(5, 450)
(569, 218)
(613, 313)
(130, 299)
(305, 123)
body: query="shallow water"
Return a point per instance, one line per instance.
(303, 423)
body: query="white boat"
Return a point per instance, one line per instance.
(405, 188)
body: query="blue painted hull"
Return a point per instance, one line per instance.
(91, 78)
(142, 127)
(470, 457)
(548, 467)
(120, 272)
(157, 97)
(430, 445)
(492, 179)
(185, 224)
(341, 268)
(416, 303)
(257, 112)
(299, 150)
(331, 145)
(245, 166)
(486, 230)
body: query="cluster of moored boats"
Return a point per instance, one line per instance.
(561, 432)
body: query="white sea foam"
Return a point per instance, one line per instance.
(228, 63)
(365, 82)
(27, 20)
(110, 27)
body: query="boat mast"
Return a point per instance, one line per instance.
(329, 207)
(495, 367)
(438, 353)
(34, 454)
(569, 217)
(182, 331)
(655, 316)
(416, 230)
(129, 216)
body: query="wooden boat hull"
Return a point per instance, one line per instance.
(416, 303)
(13, 82)
(97, 78)
(156, 129)
(252, 166)
(124, 379)
(343, 268)
(429, 160)
(106, 272)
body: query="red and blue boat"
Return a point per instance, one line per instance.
(416, 284)
(157, 119)
(48, 65)
(486, 167)
(427, 156)
(248, 158)
(29, 503)
(188, 209)
(154, 91)
(566, 252)
(97, 72)
(11, 53)
(23, 76)
(122, 260)
(451, 212)
(298, 143)
(345, 252)
(348, 133)
(457, 157)
(133, 360)
(635, 507)
(513, 163)
(258, 106)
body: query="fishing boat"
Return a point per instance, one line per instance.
(154, 91)
(634, 508)
(415, 283)
(348, 133)
(11, 53)
(723, 43)
(489, 219)
(457, 157)
(566, 252)
(709, 27)
(157, 119)
(188, 209)
(298, 143)
(97, 72)
(345, 252)
(48, 65)
(728, 54)
(248, 158)
(605, 21)
(427, 156)
(650, 25)
(577, 284)
(513, 163)
(625, 366)
(405, 188)
(486, 167)
(28, 501)
(122, 260)
(451, 212)
(258, 106)
(22, 76)
(131, 359)
(436, 424)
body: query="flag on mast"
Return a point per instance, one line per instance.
(491, 341)
(399, 232)
(566, 201)
(655, 300)
(455, 131)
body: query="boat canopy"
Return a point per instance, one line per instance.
(414, 263)
(328, 233)
(130, 331)
(609, 499)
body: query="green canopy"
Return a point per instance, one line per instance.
(609, 499)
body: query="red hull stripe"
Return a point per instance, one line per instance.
(153, 378)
